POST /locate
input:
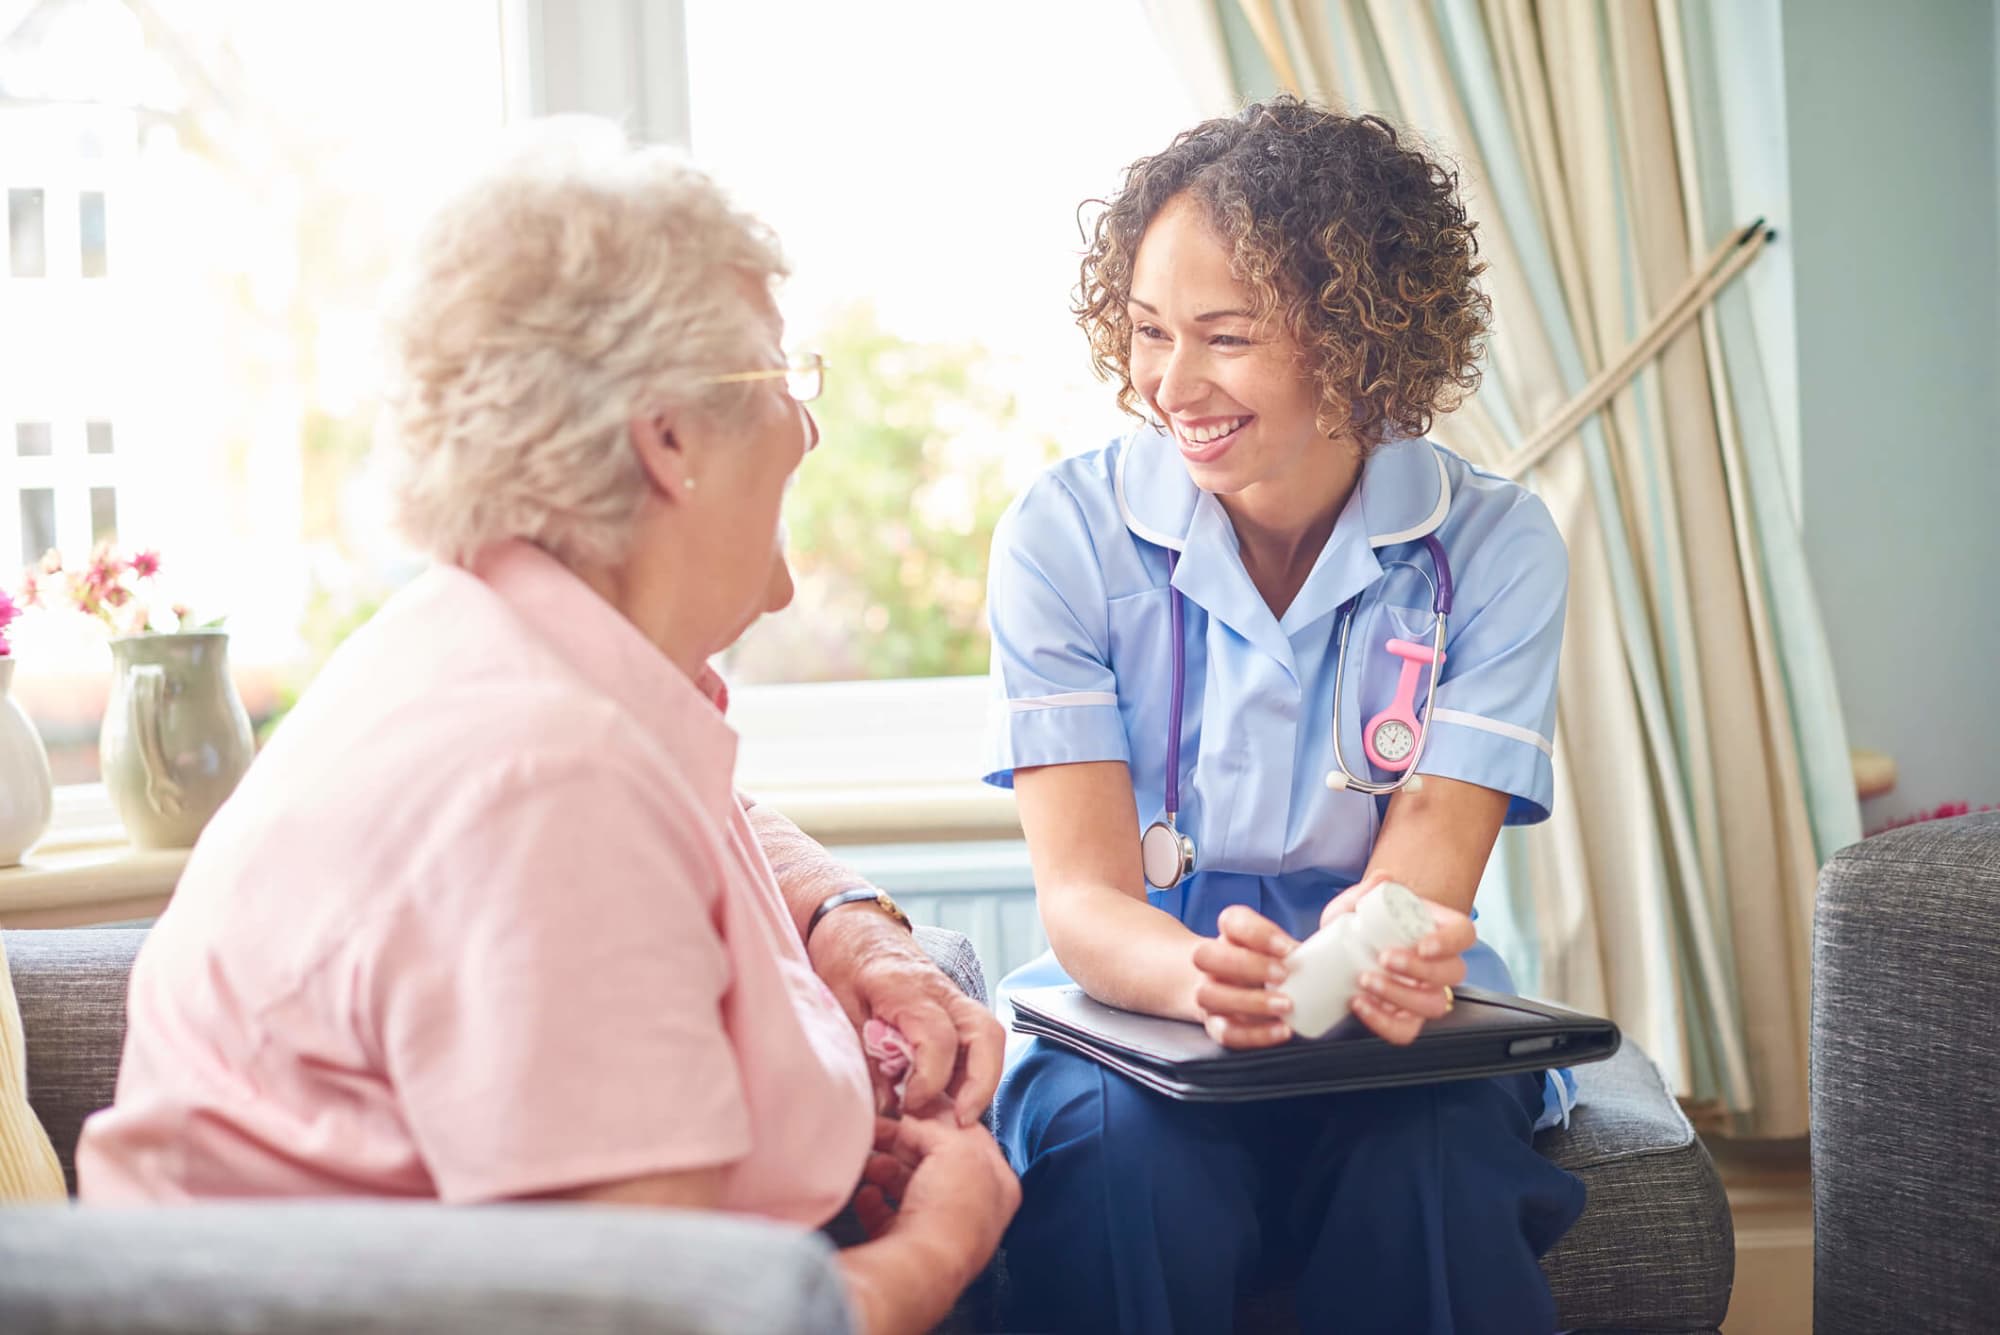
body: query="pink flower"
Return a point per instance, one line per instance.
(106, 565)
(109, 587)
(8, 611)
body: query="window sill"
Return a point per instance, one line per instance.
(85, 872)
(872, 761)
(932, 813)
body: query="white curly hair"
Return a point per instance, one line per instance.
(577, 283)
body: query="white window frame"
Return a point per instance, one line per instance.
(71, 472)
(50, 381)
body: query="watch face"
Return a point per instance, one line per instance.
(1394, 739)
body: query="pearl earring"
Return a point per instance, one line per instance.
(687, 484)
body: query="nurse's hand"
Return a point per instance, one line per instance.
(1413, 983)
(1237, 968)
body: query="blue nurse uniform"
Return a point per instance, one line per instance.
(1405, 1210)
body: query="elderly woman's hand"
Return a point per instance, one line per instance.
(934, 1200)
(876, 969)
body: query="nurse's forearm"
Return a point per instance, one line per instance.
(1122, 950)
(1083, 840)
(1437, 839)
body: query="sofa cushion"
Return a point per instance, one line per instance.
(1655, 1248)
(71, 986)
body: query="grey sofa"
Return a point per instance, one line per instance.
(1906, 1082)
(1654, 1250)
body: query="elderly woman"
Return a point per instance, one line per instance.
(487, 919)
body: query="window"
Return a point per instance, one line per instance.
(103, 515)
(926, 193)
(32, 439)
(216, 403)
(90, 233)
(67, 489)
(38, 522)
(27, 252)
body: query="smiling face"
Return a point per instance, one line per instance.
(1237, 399)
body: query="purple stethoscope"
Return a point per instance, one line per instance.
(1394, 739)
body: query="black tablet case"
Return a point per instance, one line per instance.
(1485, 1034)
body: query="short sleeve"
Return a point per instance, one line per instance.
(548, 1002)
(1055, 698)
(1494, 720)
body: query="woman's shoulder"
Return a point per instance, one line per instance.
(1099, 501)
(1073, 492)
(1488, 508)
(485, 709)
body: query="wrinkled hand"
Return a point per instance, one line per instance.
(1413, 983)
(1235, 999)
(875, 968)
(933, 1176)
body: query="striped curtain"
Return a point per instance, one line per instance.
(1702, 773)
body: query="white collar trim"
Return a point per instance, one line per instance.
(1428, 524)
(1132, 521)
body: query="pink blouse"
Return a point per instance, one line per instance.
(485, 920)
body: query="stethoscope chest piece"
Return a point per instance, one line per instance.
(1166, 855)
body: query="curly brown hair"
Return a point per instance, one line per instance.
(1350, 235)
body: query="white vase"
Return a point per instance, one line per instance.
(27, 795)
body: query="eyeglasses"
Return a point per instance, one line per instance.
(804, 375)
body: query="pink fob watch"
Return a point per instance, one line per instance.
(1391, 736)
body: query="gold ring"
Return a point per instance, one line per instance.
(1449, 1000)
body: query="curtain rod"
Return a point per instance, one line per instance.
(1702, 287)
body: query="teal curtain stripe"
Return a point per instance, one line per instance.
(1255, 79)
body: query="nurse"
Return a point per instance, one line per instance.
(1287, 297)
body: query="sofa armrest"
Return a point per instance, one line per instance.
(955, 955)
(1906, 1080)
(324, 1266)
